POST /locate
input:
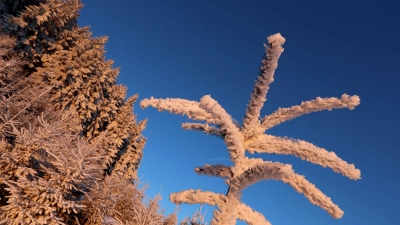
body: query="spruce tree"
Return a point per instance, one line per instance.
(66, 57)
(42, 173)
(70, 145)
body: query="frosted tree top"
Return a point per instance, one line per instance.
(251, 137)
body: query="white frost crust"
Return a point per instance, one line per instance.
(260, 171)
(217, 170)
(313, 194)
(180, 106)
(233, 137)
(204, 128)
(198, 197)
(285, 114)
(273, 51)
(251, 217)
(306, 151)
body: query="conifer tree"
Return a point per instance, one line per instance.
(42, 173)
(66, 57)
(250, 137)
(69, 142)
(14, 6)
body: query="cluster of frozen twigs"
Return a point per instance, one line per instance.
(251, 137)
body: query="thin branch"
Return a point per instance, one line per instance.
(250, 216)
(23, 110)
(316, 197)
(233, 137)
(306, 151)
(218, 170)
(180, 106)
(260, 171)
(212, 130)
(198, 197)
(285, 114)
(273, 51)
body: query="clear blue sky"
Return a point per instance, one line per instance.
(190, 48)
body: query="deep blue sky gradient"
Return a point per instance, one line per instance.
(190, 48)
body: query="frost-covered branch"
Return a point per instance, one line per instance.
(319, 104)
(316, 197)
(198, 197)
(227, 206)
(306, 151)
(258, 172)
(180, 106)
(250, 136)
(218, 170)
(226, 213)
(273, 51)
(250, 216)
(212, 130)
(233, 137)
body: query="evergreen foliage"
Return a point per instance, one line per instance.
(70, 145)
(65, 56)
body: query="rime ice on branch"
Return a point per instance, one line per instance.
(250, 137)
